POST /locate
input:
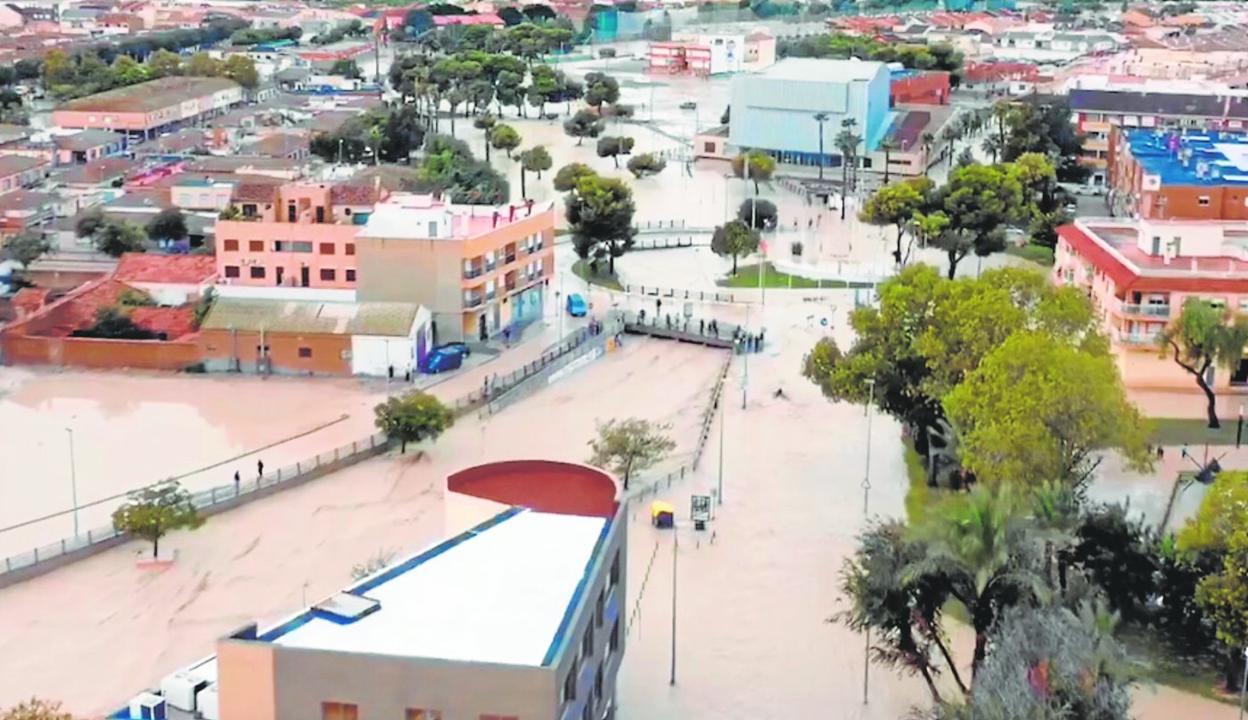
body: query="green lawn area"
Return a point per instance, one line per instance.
(1189, 431)
(1037, 254)
(747, 277)
(582, 269)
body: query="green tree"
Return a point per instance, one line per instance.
(734, 239)
(163, 63)
(156, 510)
(127, 71)
(88, 222)
(979, 548)
(629, 446)
(1050, 662)
(535, 159)
(168, 225)
(1201, 339)
(1035, 410)
(759, 214)
(569, 175)
(505, 138)
(762, 166)
(979, 201)
(27, 247)
(346, 68)
(485, 123)
(202, 64)
(118, 237)
(614, 146)
(1224, 599)
(896, 205)
(584, 124)
(36, 709)
(601, 89)
(600, 215)
(646, 164)
(901, 607)
(413, 417)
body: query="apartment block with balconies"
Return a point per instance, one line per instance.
(481, 270)
(1138, 274)
(295, 236)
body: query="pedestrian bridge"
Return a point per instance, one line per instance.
(682, 329)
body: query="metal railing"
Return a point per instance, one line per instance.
(1162, 311)
(210, 501)
(683, 294)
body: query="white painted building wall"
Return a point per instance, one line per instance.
(375, 354)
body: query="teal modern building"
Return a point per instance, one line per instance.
(774, 110)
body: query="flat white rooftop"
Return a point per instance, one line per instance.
(499, 596)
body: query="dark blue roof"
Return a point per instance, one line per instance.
(1192, 158)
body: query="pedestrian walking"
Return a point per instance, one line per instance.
(259, 468)
(701, 327)
(237, 481)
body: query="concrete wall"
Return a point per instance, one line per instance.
(98, 353)
(223, 351)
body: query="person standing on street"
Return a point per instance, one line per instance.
(259, 468)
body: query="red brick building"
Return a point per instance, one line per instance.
(1166, 174)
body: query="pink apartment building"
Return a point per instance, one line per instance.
(1138, 273)
(295, 235)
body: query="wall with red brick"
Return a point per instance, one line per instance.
(98, 353)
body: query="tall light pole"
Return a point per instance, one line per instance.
(675, 545)
(745, 354)
(73, 479)
(1243, 685)
(866, 491)
(821, 118)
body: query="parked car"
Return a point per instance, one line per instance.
(440, 360)
(688, 105)
(459, 347)
(576, 305)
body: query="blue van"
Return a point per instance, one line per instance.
(576, 305)
(442, 359)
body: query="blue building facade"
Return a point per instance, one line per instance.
(774, 111)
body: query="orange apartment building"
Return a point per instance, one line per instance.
(1173, 175)
(295, 235)
(1138, 274)
(478, 269)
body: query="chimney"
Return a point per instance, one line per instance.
(494, 224)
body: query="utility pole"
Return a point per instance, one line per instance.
(675, 546)
(73, 479)
(866, 491)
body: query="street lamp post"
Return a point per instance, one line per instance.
(821, 118)
(719, 493)
(675, 546)
(73, 479)
(866, 492)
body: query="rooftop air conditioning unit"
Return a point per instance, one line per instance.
(179, 690)
(148, 706)
(208, 703)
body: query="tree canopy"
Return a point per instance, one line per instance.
(627, 447)
(600, 216)
(154, 511)
(1204, 338)
(734, 239)
(412, 417)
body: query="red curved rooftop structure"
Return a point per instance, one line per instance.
(541, 485)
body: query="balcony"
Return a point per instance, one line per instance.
(1152, 310)
(472, 301)
(489, 296)
(472, 272)
(489, 266)
(1136, 339)
(511, 257)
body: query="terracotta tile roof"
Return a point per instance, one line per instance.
(255, 192)
(279, 145)
(95, 172)
(353, 195)
(28, 300)
(14, 164)
(174, 322)
(87, 139)
(171, 269)
(150, 96)
(24, 200)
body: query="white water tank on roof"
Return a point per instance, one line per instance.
(207, 702)
(179, 690)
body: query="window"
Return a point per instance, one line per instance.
(350, 249)
(327, 274)
(230, 246)
(602, 596)
(305, 352)
(598, 682)
(301, 247)
(350, 275)
(320, 213)
(326, 249)
(615, 571)
(613, 643)
(291, 213)
(423, 714)
(1203, 201)
(708, 147)
(339, 711)
(569, 684)
(255, 245)
(249, 210)
(587, 643)
(257, 272)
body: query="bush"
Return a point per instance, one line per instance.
(1035, 253)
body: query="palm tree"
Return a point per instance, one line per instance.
(979, 548)
(992, 146)
(847, 143)
(821, 118)
(888, 146)
(929, 141)
(950, 135)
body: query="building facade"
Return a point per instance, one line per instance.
(295, 235)
(1138, 274)
(1098, 111)
(151, 107)
(430, 637)
(705, 54)
(1157, 174)
(480, 270)
(775, 110)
